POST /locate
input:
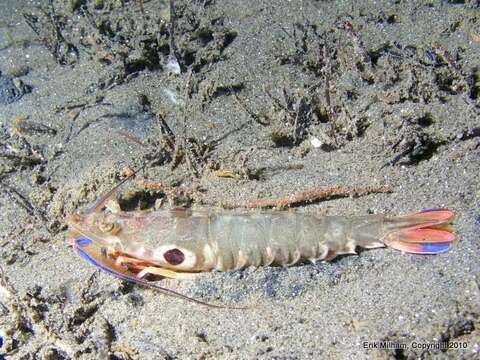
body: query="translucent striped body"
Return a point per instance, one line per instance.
(202, 240)
(281, 238)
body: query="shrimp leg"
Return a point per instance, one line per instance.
(144, 268)
(154, 270)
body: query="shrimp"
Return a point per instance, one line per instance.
(180, 243)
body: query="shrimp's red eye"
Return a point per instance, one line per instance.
(174, 256)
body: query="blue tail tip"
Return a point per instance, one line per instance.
(435, 248)
(431, 209)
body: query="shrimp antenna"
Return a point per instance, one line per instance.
(174, 293)
(101, 202)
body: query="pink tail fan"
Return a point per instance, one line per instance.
(427, 232)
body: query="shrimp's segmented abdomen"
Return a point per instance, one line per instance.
(285, 238)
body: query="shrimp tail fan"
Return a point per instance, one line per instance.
(426, 232)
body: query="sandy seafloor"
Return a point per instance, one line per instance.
(404, 85)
